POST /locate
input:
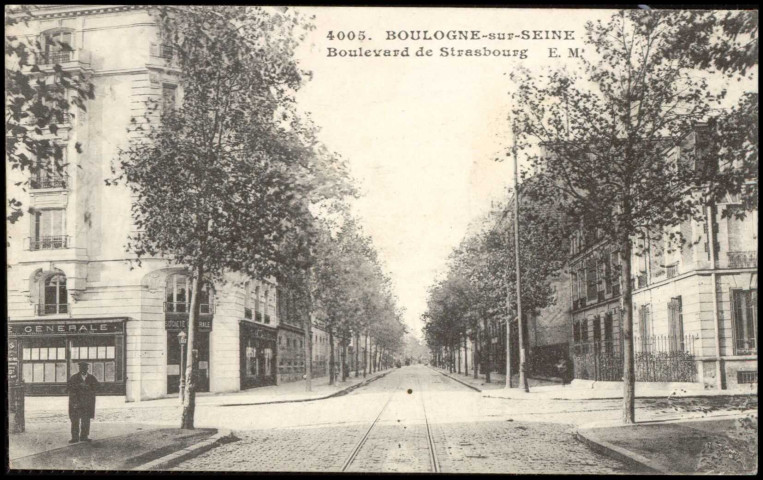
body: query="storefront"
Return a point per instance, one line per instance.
(48, 352)
(177, 350)
(258, 355)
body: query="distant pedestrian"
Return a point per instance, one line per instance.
(565, 370)
(82, 388)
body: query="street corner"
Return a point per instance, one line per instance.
(154, 446)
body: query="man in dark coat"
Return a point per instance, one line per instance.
(82, 387)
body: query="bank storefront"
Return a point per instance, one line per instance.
(258, 355)
(47, 353)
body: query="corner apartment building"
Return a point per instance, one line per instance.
(694, 307)
(73, 293)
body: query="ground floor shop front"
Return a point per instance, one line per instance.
(44, 354)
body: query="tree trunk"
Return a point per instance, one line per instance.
(629, 376)
(365, 358)
(357, 355)
(486, 350)
(466, 358)
(458, 349)
(344, 359)
(332, 367)
(308, 352)
(189, 399)
(475, 357)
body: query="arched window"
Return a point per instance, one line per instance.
(54, 295)
(179, 295)
(58, 46)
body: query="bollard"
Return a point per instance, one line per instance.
(16, 408)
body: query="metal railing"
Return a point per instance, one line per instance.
(746, 346)
(185, 307)
(664, 358)
(671, 270)
(52, 308)
(60, 56)
(50, 242)
(46, 181)
(743, 259)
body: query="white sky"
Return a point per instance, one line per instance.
(421, 134)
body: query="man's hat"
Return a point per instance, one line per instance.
(83, 363)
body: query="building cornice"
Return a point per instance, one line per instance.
(57, 11)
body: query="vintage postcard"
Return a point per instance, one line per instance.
(377, 239)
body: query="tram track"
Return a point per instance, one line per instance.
(430, 444)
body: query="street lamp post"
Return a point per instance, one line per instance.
(182, 339)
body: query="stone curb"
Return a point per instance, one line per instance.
(639, 462)
(457, 380)
(311, 399)
(175, 458)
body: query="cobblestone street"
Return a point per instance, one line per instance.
(467, 435)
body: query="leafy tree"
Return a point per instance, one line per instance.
(223, 181)
(39, 97)
(608, 140)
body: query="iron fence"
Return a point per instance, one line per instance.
(658, 358)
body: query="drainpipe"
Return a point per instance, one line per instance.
(716, 317)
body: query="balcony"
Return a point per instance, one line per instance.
(41, 182)
(52, 308)
(54, 242)
(69, 60)
(183, 307)
(671, 270)
(747, 259)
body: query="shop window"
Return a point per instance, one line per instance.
(54, 295)
(44, 361)
(179, 296)
(100, 353)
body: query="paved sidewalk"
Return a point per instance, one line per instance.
(586, 390)
(287, 392)
(123, 451)
(709, 446)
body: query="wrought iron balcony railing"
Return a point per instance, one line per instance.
(44, 181)
(671, 270)
(743, 259)
(50, 242)
(52, 308)
(184, 307)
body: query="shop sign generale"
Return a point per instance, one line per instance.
(65, 328)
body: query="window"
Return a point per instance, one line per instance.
(100, 353)
(584, 330)
(179, 296)
(745, 316)
(574, 281)
(591, 279)
(169, 96)
(675, 325)
(616, 273)
(645, 328)
(608, 347)
(597, 329)
(54, 296)
(57, 47)
(267, 305)
(44, 361)
(48, 229)
(248, 300)
(257, 303)
(50, 171)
